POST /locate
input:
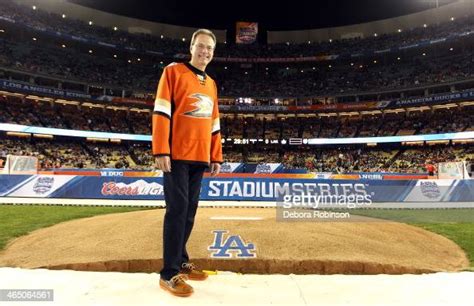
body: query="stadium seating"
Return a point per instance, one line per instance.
(414, 73)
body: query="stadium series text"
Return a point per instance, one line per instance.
(267, 189)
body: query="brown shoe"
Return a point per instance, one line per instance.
(176, 286)
(190, 272)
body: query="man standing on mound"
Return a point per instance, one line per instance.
(186, 140)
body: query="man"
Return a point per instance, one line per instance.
(430, 168)
(186, 140)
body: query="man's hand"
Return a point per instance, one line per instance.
(215, 169)
(163, 163)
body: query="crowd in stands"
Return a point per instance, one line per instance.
(27, 111)
(70, 64)
(68, 154)
(391, 124)
(20, 55)
(43, 20)
(305, 79)
(80, 154)
(68, 116)
(348, 159)
(354, 45)
(342, 160)
(89, 155)
(279, 80)
(344, 79)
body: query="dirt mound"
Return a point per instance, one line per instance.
(132, 242)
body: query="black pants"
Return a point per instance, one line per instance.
(181, 187)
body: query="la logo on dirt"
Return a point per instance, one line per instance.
(231, 247)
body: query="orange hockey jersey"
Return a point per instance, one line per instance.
(186, 116)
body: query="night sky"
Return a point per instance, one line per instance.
(292, 15)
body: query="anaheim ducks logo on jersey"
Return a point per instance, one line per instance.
(204, 106)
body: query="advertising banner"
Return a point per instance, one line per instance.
(363, 192)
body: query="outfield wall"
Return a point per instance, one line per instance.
(237, 188)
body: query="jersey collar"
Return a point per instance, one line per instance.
(196, 71)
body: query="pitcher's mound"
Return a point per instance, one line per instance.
(133, 242)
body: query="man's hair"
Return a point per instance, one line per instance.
(205, 32)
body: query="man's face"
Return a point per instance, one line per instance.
(202, 51)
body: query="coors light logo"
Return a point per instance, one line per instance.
(139, 187)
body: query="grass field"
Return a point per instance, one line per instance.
(19, 220)
(455, 224)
